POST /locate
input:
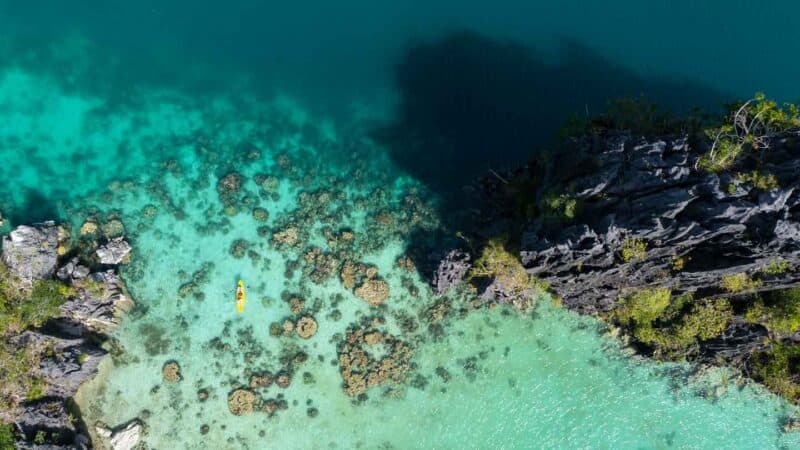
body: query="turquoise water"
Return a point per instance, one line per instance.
(98, 125)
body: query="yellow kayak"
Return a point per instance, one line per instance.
(240, 298)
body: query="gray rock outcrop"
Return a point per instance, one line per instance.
(100, 300)
(31, 252)
(72, 271)
(691, 227)
(73, 339)
(115, 251)
(642, 216)
(451, 271)
(127, 436)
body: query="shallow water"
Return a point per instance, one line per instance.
(151, 151)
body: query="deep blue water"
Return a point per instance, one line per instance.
(497, 77)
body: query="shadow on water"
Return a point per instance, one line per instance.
(470, 103)
(34, 207)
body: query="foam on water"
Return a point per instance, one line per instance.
(492, 379)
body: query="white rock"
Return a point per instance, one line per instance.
(127, 437)
(115, 251)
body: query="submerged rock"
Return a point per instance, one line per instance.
(88, 228)
(288, 236)
(361, 370)
(113, 229)
(31, 252)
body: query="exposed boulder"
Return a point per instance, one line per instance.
(116, 251)
(125, 437)
(31, 252)
(72, 271)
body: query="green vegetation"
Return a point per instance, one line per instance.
(636, 116)
(779, 311)
(778, 266)
(764, 182)
(36, 390)
(557, 209)
(82, 358)
(501, 265)
(670, 325)
(644, 307)
(15, 365)
(778, 369)
(678, 263)
(747, 131)
(634, 249)
(6, 436)
(40, 438)
(739, 283)
(20, 310)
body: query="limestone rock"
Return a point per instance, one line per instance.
(49, 415)
(72, 271)
(71, 362)
(452, 270)
(650, 191)
(30, 252)
(128, 436)
(116, 251)
(101, 299)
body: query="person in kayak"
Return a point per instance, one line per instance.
(240, 297)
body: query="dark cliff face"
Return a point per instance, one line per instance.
(647, 218)
(66, 350)
(610, 217)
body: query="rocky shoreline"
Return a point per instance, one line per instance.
(69, 347)
(613, 218)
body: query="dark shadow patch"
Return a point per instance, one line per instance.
(34, 208)
(470, 104)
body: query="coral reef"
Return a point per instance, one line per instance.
(360, 370)
(242, 402)
(171, 372)
(373, 291)
(306, 327)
